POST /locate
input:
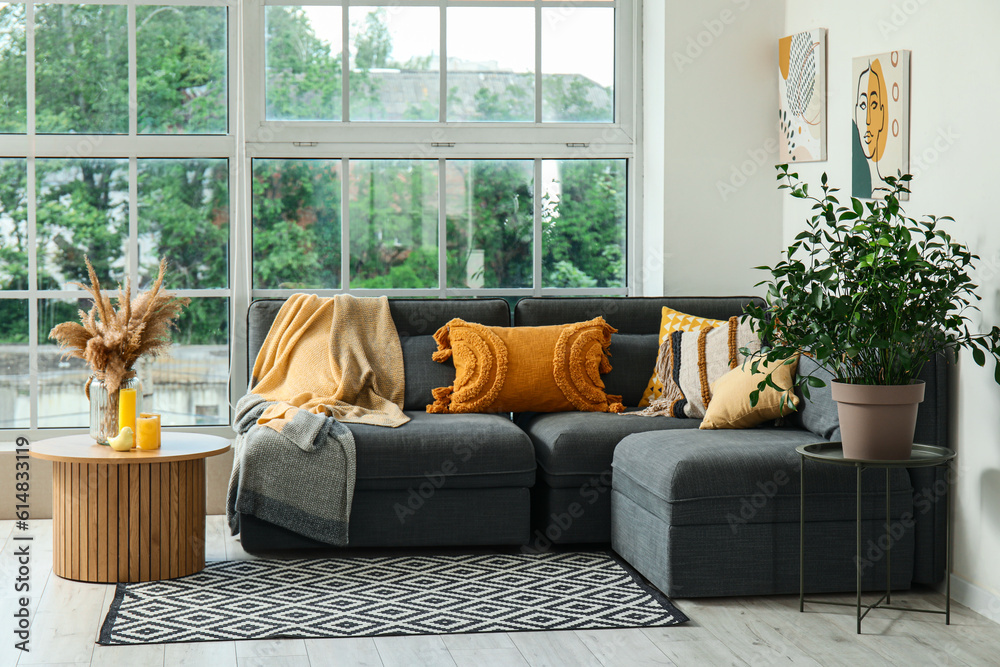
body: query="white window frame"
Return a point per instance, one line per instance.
(133, 147)
(251, 136)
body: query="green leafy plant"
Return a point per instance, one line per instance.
(868, 292)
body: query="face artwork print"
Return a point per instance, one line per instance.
(880, 126)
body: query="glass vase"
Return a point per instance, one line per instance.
(104, 406)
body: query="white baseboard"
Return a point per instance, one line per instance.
(975, 598)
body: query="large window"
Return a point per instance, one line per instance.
(410, 148)
(116, 147)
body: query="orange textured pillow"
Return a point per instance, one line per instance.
(525, 369)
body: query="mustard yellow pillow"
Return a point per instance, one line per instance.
(730, 403)
(525, 369)
(670, 321)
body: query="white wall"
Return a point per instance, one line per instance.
(721, 214)
(649, 278)
(954, 90)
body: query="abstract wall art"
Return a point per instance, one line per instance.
(880, 88)
(802, 97)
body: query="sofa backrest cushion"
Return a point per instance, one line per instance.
(630, 315)
(818, 413)
(634, 347)
(421, 376)
(632, 355)
(416, 321)
(933, 415)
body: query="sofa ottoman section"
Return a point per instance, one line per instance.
(712, 513)
(571, 499)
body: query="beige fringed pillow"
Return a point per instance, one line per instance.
(730, 406)
(689, 362)
(525, 369)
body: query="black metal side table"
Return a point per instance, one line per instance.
(923, 456)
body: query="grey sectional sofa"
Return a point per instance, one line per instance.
(671, 499)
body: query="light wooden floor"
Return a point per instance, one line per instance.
(761, 631)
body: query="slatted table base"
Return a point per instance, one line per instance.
(128, 522)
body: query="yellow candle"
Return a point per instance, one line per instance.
(126, 409)
(149, 431)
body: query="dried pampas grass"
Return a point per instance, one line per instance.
(111, 340)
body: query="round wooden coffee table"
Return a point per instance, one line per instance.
(128, 516)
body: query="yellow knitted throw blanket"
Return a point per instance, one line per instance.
(337, 356)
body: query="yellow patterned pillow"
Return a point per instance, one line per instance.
(690, 361)
(672, 320)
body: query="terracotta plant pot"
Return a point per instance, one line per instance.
(877, 422)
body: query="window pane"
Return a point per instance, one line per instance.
(13, 69)
(13, 224)
(490, 205)
(61, 382)
(181, 69)
(394, 224)
(14, 395)
(190, 384)
(583, 223)
(81, 69)
(82, 211)
(578, 64)
(303, 60)
(491, 64)
(184, 216)
(395, 63)
(296, 224)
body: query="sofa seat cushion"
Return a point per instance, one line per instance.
(451, 451)
(571, 447)
(698, 477)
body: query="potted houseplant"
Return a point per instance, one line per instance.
(871, 295)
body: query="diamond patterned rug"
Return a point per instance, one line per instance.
(407, 595)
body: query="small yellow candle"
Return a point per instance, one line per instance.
(126, 409)
(149, 431)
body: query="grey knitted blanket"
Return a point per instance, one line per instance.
(301, 479)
